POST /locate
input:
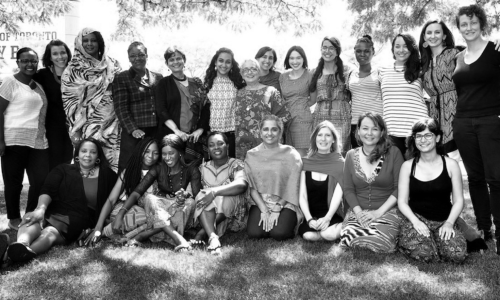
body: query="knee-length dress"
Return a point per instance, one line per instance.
(333, 103)
(233, 207)
(251, 107)
(430, 202)
(297, 96)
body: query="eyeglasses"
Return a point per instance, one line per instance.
(134, 57)
(28, 61)
(330, 49)
(253, 70)
(427, 136)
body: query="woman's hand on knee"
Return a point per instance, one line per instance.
(204, 198)
(446, 231)
(272, 220)
(33, 217)
(421, 228)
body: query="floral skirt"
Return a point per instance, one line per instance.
(162, 211)
(233, 207)
(381, 236)
(433, 248)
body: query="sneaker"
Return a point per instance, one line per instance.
(20, 253)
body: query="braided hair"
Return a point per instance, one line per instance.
(132, 174)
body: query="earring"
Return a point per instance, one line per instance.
(77, 159)
(97, 161)
(425, 44)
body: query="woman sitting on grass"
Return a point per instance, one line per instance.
(70, 201)
(371, 175)
(171, 209)
(429, 232)
(221, 205)
(144, 157)
(320, 186)
(273, 172)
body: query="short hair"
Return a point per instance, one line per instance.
(137, 44)
(23, 50)
(171, 51)
(300, 51)
(262, 51)
(412, 65)
(224, 137)
(253, 61)
(278, 121)
(48, 52)
(313, 148)
(419, 126)
(103, 161)
(425, 52)
(384, 143)
(471, 11)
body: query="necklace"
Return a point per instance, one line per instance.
(397, 70)
(362, 149)
(170, 178)
(90, 173)
(180, 79)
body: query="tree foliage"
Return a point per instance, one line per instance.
(301, 16)
(385, 18)
(14, 12)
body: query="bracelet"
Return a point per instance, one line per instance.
(309, 220)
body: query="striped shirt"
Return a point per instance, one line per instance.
(366, 94)
(222, 96)
(24, 117)
(403, 102)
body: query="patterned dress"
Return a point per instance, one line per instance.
(251, 107)
(233, 207)
(296, 95)
(439, 85)
(87, 99)
(333, 103)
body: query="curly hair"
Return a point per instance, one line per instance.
(419, 126)
(48, 52)
(384, 143)
(132, 173)
(471, 11)
(425, 52)
(412, 65)
(338, 62)
(234, 74)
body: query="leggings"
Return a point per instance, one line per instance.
(283, 231)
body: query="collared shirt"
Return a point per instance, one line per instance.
(134, 99)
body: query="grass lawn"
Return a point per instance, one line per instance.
(247, 269)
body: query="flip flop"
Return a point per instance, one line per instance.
(197, 244)
(215, 247)
(20, 253)
(183, 248)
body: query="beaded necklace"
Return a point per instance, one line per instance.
(90, 173)
(170, 178)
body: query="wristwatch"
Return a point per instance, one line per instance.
(280, 205)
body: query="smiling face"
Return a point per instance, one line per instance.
(400, 50)
(369, 132)
(364, 53)
(270, 133)
(426, 141)
(266, 62)
(59, 56)
(28, 63)
(87, 155)
(90, 44)
(224, 63)
(217, 147)
(138, 58)
(434, 35)
(250, 72)
(324, 140)
(296, 60)
(170, 156)
(150, 156)
(328, 51)
(470, 28)
(176, 63)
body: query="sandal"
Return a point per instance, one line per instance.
(20, 253)
(214, 245)
(133, 243)
(197, 244)
(183, 248)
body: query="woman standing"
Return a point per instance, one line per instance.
(222, 81)
(371, 174)
(402, 90)
(55, 60)
(364, 84)
(87, 97)
(428, 231)
(295, 88)
(182, 106)
(171, 209)
(477, 123)
(23, 145)
(273, 173)
(332, 97)
(266, 56)
(320, 186)
(253, 102)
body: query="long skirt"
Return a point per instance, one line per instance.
(433, 248)
(134, 221)
(380, 236)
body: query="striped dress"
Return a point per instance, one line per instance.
(366, 94)
(403, 102)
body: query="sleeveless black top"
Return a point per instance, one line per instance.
(431, 199)
(317, 196)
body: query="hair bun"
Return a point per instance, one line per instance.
(368, 37)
